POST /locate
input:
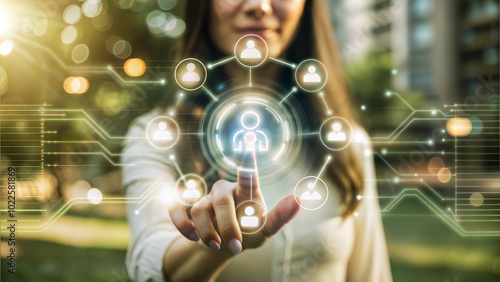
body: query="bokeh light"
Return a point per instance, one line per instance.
(459, 126)
(477, 125)
(80, 53)
(435, 164)
(94, 196)
(122, 49)
(103, 22)
(92, 8)
(6, 47)
(476, 199)
(40, 26)
(444, 175)
(163, 24)
(6, 20)
(72, 14)
(69, 34)
(134, 67)
(167, 4)
(111, 99)
(76, 85)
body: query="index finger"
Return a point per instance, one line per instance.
(248, 177)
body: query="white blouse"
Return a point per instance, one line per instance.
(315, 246)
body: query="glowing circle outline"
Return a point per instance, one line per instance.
(204, 78)
(243, 117)
(264, 58)
(183, 178)
(350, 135)
(265, 216)
(295, 192)
(324, 80)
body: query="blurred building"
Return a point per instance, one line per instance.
(444, 48)
(449, 51)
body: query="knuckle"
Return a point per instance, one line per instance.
(223, 200)
(221, 185)
(197, 210)
(184, 226)
(226, 229)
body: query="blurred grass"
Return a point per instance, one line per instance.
(51, 262)
(421, 248)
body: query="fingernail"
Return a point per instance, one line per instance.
(235, 246)
(214, 245)
(193, 236)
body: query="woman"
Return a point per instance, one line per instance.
(342, 241)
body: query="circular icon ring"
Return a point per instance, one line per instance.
(316, 199)
(310, 80)
(250, 220)
(190, 80)
(344, 136)
(188, 189)
(250, 47)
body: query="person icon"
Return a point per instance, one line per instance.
(311, 75)
(190, 75)
(162, 134)
(191, 192)
(251, 52)
(311, 196)
(336, 135)
(249, 220)
(249, 139)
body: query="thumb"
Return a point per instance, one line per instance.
(283, 213)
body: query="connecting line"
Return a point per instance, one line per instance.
(172, 157)
(179, 98)
(250, 77)
(283, 62)
(210, 93)
(322, 169)
(97, 69)
(115, 74)
(223, 61)
(322, 95)
(294, 89)
(251, 186)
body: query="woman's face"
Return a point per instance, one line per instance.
(274, 20)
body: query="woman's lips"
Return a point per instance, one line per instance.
(265, 33)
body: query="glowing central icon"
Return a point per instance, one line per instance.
(251, 52)
(162, 134)
(249, 220)
(250, 139)
(310, 194)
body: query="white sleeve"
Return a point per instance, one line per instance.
(369, 261)
(149, 179)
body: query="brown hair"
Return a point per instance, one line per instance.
(346, 169)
